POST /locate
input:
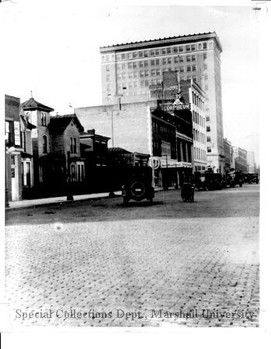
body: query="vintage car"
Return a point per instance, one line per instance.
(138, 185)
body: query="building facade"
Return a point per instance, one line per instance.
(128, 71)
(191, 93)
(160, 130)
(251, 162)
(240, 159)
(13, 149)
(229, 158)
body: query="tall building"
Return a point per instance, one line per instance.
(128, 70)
(251, 162)
(240, 157)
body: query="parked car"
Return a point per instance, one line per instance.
(138, 185)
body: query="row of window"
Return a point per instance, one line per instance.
(199, 136)
(156, 52)
(152, 72)
(125, 85)
(198, 119)
(197, 100)
(199, 154)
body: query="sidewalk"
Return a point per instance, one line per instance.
(52, 200)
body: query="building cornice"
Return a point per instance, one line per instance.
(185, 39)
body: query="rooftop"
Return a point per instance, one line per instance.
(162, 41)
(32, 104)
(60, 122)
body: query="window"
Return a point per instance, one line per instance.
(130, 65)
(208, 139)
(169, 50)
(73, 145)
(164, 51)
(193, 57)
(208, 128)
(193, 68)
(188, 68)
(193, 47)
(188, 48)
(141, 64)
(134, 54)
(204, 55)
(157, 61)
(146, 53)
(44, 144)
(157, 52)
(164, 61)
(145, 63)
(152, 52)
(134, 65)
(152, 62)
(153, 72)
(140, 53)
(181, 49)
(209, 150)
(23, 140)
(204, 45)
(188, 58)
(175, 49)
(169, 60)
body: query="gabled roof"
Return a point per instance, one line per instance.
(61, 122)
(118, 150)
(32, 104)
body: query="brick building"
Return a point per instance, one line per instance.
(164, 131)
(129, 69)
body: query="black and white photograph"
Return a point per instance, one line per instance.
(131, 190)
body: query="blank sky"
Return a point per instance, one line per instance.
(52, 48)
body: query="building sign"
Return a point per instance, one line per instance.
(17, 136)
(172, 107)
(178, 104)
(154, 162)
(174, 164)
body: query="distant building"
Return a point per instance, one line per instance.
(128, 70)
(240, 158)
(195, 96)
(229, 158)
(251, 162)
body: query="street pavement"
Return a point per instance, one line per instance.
(97, 263)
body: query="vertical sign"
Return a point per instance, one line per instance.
(17, 137)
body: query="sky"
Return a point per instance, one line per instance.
(52, 49)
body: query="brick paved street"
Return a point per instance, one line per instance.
(96, 263)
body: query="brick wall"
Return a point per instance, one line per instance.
(131, 128)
